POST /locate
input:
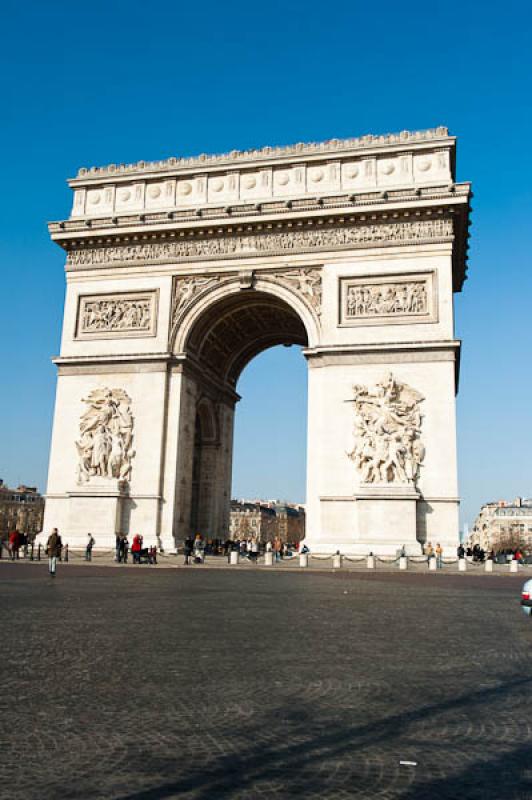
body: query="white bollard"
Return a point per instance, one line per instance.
(462, 565)
(233, 557)
(371, 562)
(303, 560)
(268, 558)
(337, 561)
(403, 562)
(433, 564)
(514, 565)
(488, 566)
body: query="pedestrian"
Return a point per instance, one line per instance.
(136, 547)
(13, 545)
(88, 549)
(254, 550)
(277, 548)
(429, 551)
(439, 556)
(124, 547)
(460, 551)
(188, 546)
(199, 549)
(53, 550)
(118, 539)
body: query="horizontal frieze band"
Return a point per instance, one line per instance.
(246, 245)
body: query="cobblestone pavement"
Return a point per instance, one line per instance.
(154, 684)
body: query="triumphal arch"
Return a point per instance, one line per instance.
(180, 271)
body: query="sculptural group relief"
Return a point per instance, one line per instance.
(106, 436)
(387, 432)
(131, 314)
(367, 300)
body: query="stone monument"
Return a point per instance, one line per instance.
(180, 271)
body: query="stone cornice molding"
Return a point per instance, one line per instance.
(329, 147)
(352, 166)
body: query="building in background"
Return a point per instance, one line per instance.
(266, 520)
(503, 525)
(21, 509)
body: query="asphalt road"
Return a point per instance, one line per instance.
(156, 684)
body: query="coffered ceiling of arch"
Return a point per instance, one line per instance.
(237, 329)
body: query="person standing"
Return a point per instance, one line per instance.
(13, 545)
(53, 549)
(188, 546)
(429, 551)
(254, 550)
(90, 544)
(124, 545)
(136, 548)
(439, 556)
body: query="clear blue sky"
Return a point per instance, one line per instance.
(102, 82)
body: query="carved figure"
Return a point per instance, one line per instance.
(387, 299)
(308, 283)
(116, 314)
(106, 435)
(387, 448)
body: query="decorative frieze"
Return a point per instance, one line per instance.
(388, 298)
(184, 290)
(116, 315)
(218, 246)
(387, 432)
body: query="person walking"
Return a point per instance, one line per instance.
(13, 545)
(90, 544)
(254, 550)
(199, 549)
(53, 550)
(188, 546)
(439, 556)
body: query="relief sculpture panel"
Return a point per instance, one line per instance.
(368, 301)
(116, 315)
(387, 432)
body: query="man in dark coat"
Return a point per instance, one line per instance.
(188, 546)
(53, 549)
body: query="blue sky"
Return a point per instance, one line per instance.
(118, 81)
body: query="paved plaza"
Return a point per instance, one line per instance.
(150, 684)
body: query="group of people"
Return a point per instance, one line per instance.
(17, 542)
(434, 552)
(195, 548)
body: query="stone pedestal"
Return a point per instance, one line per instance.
(96, 508)
(386, 516)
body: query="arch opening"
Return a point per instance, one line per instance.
(231, 332)
(223, 339)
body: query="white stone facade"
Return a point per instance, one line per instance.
(180, 272)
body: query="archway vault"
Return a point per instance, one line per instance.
(225, 327)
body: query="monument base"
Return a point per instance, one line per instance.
(386, 517)
(97, 509)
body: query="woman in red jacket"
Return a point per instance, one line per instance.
(136, 547)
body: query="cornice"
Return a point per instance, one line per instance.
(334, 147)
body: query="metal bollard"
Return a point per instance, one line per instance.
(514, 565)
(403, 562)
(433, 564)
(303, 560)
(462, 565)
(233, 557)
(39, 553)
(337, 561)
(371, 562)
(66, 552)
(31, 551)
(268, 558)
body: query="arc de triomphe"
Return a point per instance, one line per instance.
(179, 272)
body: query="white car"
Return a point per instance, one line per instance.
(526, 597)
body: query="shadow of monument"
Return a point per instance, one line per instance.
(346, 761)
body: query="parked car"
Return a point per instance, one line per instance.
(526, 598)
